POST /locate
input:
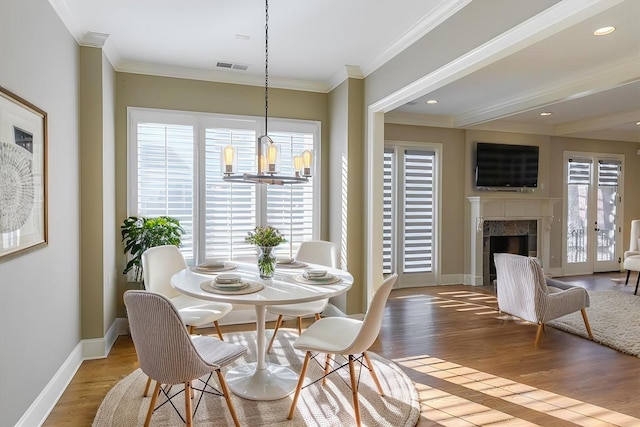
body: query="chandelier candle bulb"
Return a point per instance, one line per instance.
(297, 164)
(306, 160)
(228, 159)
(272, 155)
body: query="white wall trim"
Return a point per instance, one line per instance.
(48, 397)
(96, 348)
(451, 279)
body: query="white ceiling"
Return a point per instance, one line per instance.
(542, 55)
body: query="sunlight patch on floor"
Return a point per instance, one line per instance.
(448, 409)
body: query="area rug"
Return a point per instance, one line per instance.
(613, 317)
(330, 405)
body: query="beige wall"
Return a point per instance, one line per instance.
(135, 90)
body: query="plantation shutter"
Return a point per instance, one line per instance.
(165, 174)
(290, 207)
(418, 211)
(230, 211)
(387, 221)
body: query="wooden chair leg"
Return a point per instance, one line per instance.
(299, 386)
(146, 387)
(275, 331)
(318, 316)
(191, 329)
(586, 323)
(215, 323)
(187, 404)
(327, 367)
(152, 405)
(354, 390)
(539, 333)
(373, 373)
(227, 397)
(299, 325)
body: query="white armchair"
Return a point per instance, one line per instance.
(523, 292)
(634, 241)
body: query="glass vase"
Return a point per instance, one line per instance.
(266, 261)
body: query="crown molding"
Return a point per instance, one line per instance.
(443, 11)
(417, 119)
(347, 72)
(62, 10)
(601, 79)
(597, 123)
(230, 77)
(92, 39)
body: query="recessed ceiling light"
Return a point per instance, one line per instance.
(432, 101)
(638, 123)
(242, 37)
(546, 113)
(604, 31)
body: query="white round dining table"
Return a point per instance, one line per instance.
(262, 380)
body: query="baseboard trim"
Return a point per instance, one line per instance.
(473, 280)
(47, 399)
(451, 279)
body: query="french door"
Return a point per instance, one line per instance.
(593, 202)
(410, 214)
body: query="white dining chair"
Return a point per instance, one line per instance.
(346, 337)
(159, 263)
(315, 252)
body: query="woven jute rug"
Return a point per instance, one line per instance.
(613, 317)
(318, 405)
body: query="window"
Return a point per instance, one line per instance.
(176, 170)
(409, 212)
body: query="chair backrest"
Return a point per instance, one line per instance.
(158, 265)
(164, 348)
(634, 242)
(373, 319)
(521, 286)
(318, 252)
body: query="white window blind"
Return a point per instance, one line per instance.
(290, 207)
(408, 215)
(178, 172)
(387, 220)
(165, 175)
(418, 211)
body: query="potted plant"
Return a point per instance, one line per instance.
(140, 234)
(266, 239)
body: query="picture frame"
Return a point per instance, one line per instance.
(23, 176)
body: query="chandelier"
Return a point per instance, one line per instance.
(267, 150)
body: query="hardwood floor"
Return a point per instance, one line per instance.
(472, 365)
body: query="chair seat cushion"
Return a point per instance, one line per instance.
(329, 335)
(301, 309)
(632, 263)
(215, 352)
(195, 312)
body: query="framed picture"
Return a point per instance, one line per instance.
(23, 175)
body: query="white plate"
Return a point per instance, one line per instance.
(212, 265)
(228, 279)
(285, 260)
(314, 273)
(324, 278)
(231, 286)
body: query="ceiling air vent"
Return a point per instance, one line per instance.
(231, 66)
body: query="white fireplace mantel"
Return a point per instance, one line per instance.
(491, 208)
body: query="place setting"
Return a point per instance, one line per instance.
(290, 263)
(317, 276)
(230, 283)
(213, 267)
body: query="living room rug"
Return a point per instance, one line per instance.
(330, 405)
(613, 319)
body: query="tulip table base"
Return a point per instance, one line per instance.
(270, 383)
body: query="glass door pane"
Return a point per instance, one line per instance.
(577, 210)
(607, 214)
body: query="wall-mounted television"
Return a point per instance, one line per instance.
(506, 166)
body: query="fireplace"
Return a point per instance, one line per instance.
(507, 215)
(505, 244)
(518, 237)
